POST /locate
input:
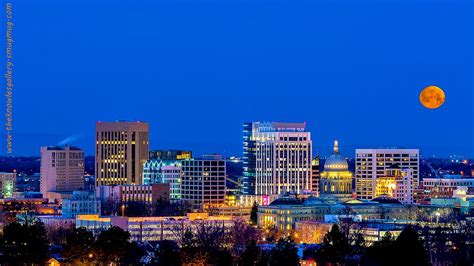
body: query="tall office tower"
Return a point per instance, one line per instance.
(315, 175)
(203, 181)
(7, 184)
(121, 150)
(248, 160)
(62, 169)
(277, 158)
(372, 163)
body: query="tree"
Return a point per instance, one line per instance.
(411, 247)
(166, 208)
(284, 253)
(137, 209)
(241, 233)
(167, 254)
(251, 256)
(272, 233)
(25, 243)
(380, 253)
(334, 249)
(78, 247)
(407, 248)
(57, 234)
(113, 246)
(253, 214)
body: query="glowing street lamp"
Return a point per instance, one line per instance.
(123, 209)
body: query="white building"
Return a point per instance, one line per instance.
(445, 186)
(62, 170)
(80, 202)
(372, 163)
(171, 174)
(282, 154)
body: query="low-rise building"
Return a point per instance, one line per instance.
(7, 184)
(444, 187)
(396, 183)
(148, 194)
(80, 202)
(285, 212)
(152, 228)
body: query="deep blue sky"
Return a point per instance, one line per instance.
(197, 69)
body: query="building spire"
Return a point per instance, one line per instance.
(336, 147)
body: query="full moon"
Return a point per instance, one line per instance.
(432, 97)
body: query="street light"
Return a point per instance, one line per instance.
(437, 217)
(123, 209)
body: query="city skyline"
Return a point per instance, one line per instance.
(197, 72)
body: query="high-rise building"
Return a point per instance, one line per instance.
(62, 169)
(203, 181)
(336, 179)
(121, 150)
(315, 175)
(7, 184)
(248, 160)
(277, 158)
(372, 163)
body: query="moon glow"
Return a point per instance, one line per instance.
(432, 97)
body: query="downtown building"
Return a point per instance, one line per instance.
(276, 158)
(396, 183)
(203, 182)
(120, 152)
(371, 164)
(164, 172)
(164, 166)
(7, 184)
(62, 170)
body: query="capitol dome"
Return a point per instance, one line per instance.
(336, 162)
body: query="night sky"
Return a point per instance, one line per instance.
(197, 69)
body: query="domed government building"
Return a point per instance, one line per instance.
(295, 212)
(336, 179)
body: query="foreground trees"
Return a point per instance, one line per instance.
(24, 243)
(407, 249)
(111, 246)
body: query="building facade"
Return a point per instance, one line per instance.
(161, 171)
(170, 155)
(372, 163)
(143, 229)
(315, 175)
(62, 169)
(445, 186)
(277, 158)
(120, 152)
(396, 183)
(203, 181)
(80, 202)
(7, 184)
(148, 194)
